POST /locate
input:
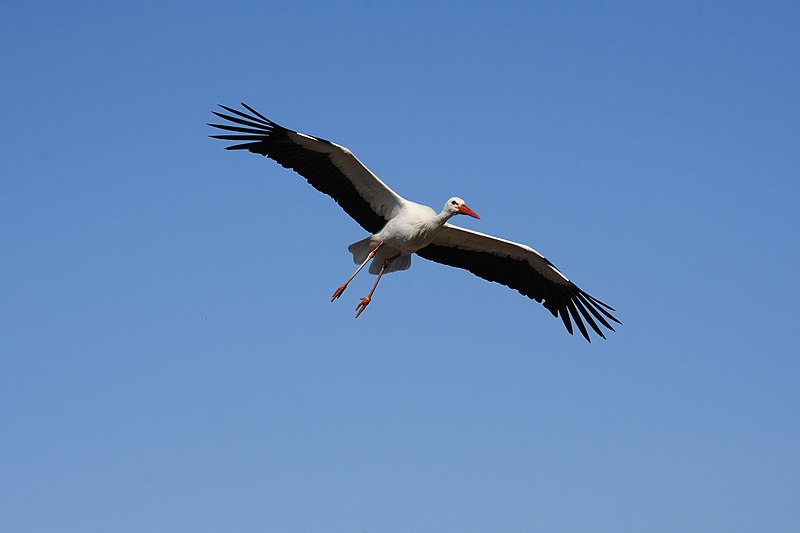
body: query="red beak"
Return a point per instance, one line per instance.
(464, 210)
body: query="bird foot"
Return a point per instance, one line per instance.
(338, 292)
(362, 305)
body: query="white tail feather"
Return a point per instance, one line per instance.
(362, 248)
(401, 263)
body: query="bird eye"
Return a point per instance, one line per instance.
(454, 202)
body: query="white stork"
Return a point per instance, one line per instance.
(400, 227)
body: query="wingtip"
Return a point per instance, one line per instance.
(256, 113)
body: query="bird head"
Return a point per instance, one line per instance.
(456, 206)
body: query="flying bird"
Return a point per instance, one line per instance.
(400, 227)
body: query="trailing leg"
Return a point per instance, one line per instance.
(366, 300)
(338, 292)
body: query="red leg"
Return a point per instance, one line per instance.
(365, 301)
(338, 292)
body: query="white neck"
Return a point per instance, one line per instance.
(444, 216)
(437, 221)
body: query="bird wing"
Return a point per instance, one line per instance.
(328, 167)
(522, 268)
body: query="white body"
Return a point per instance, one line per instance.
(413, 227)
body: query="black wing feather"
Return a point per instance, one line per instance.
(272, 140)
(267, 121)
(562, 300)
(587, 316)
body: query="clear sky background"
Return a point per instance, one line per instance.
(170, 357)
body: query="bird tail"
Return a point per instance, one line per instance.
(401, 263)
(362, 248)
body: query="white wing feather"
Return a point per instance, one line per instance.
(466, 239)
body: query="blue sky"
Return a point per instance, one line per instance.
(170, 357)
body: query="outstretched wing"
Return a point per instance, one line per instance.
(522, 268)
(330, 168)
